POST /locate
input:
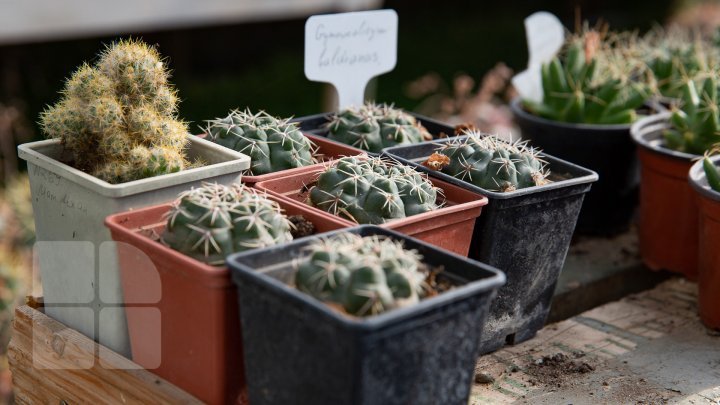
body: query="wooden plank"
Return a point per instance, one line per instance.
(52, 363)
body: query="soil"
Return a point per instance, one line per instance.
(437, 285)
(557, 369)
(301, 226)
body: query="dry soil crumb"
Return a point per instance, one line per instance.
(557, 369)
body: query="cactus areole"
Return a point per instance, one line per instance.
(373, 190)
(118, 118)
(364, 275)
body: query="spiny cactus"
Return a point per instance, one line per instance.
(118, 117)
(273, 144)
(490, 163)
(373, 127)
(590, 83)
(364, 275)
(372, 190)
(675, 55)
(696, 123)
(711, 173)
(210, 222)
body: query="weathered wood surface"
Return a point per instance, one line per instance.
(52, 364)
(648, 348)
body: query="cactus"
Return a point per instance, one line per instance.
(711, 173)
(118, 117)
(213, 221)
(589, 83)
(364, 275)
(696, 123)
(372, 190)
(273, 144)
(675, 55)
(373, 127)
(490, 163)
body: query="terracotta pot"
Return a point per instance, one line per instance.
(708, 252)
(191, 334)
(450, 227)
(668, 226)
(327, 150)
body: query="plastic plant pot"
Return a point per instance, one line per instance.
(526, 233)
(300, 351)
(315, 124)
(709, 239)
(327, 150)
(188, 328)
(449, 227)
(79, 272)
(668, 210)
(606, 149)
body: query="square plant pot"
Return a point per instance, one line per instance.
(78, 269)
(449, 227)
(709, 238)
(315, 124)
(668, 209)
(526, 233)
(327, 150)
(300, 351)
(187, 330)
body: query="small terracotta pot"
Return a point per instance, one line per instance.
(191, 336)
(327, 150)
(708, 252)
(450, 227)
(668, 226)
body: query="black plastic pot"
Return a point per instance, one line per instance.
(315, 124)
(606, 149)
(300, 351)
(526, 234)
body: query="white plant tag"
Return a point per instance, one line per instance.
(349, 49)
(545, 36)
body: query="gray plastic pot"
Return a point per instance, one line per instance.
(300, 351)
(525, 233)
(77, 260)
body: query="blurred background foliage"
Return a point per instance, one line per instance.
(455, 59)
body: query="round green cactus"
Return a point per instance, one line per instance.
(118, 117)
(363, 275)
(273, 144)
(373, 127)
(492, 164)
(372, 190)
(210, 222)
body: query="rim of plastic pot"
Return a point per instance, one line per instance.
(699, 182)
(647, 133)
(518, 110)
(375, 322)
(580, 174)
(45, 153)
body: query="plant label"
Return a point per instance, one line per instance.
(349, 49)
(545, 36)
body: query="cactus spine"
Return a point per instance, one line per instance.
(373, 127)
(490, 163)
(210, 222)
(364, 275)
(372, 190)
(273, 144)
(118, 117)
